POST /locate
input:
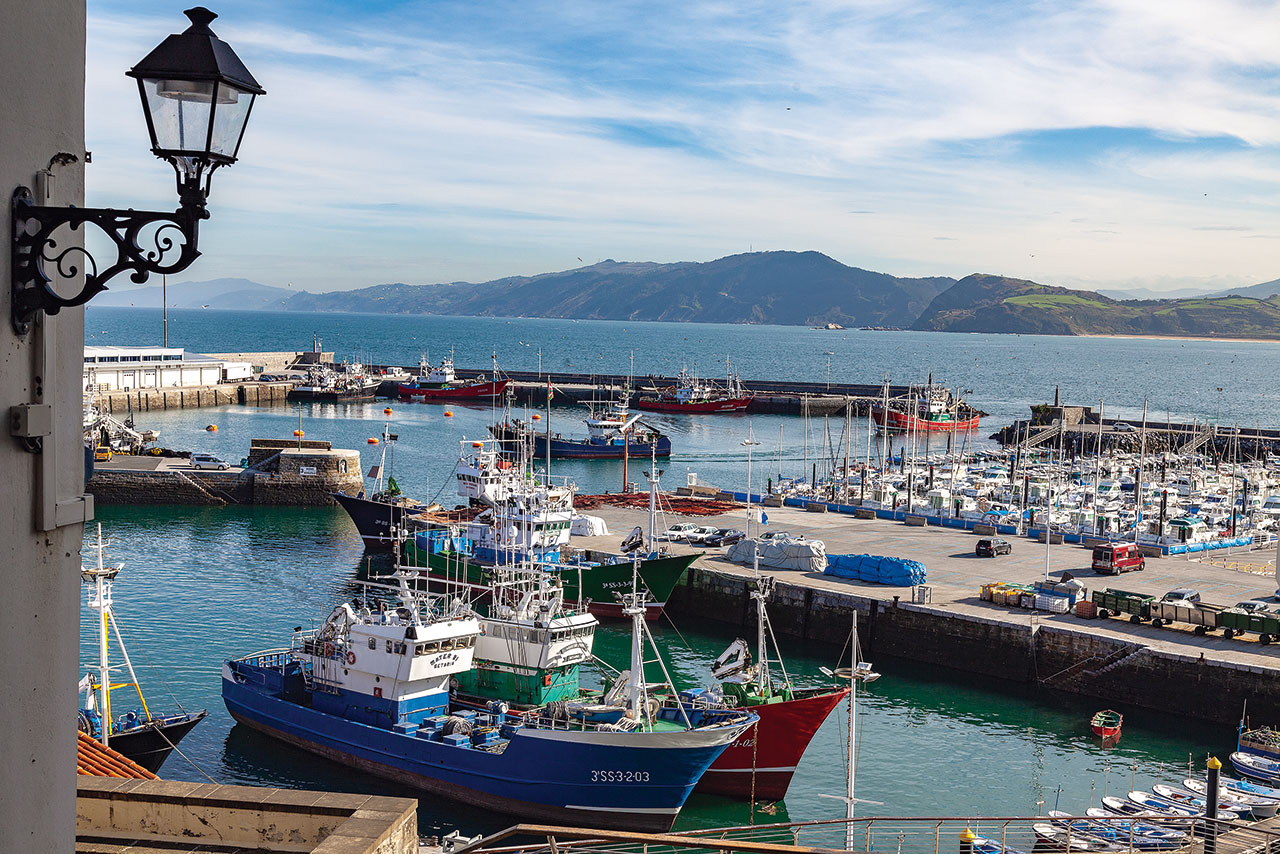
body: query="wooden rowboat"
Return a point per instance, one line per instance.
(1106, 724)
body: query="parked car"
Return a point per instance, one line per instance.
(776, 535)
(724, 537)
(208, 461)
(1181, 594)
(700, 533)
(1115, 558)
(1124, 427)
(992, 546)
(678, 533)
(1254, 606)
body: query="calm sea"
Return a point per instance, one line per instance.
(1005, 372)
(203, 584)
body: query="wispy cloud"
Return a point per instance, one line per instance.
(416, 141)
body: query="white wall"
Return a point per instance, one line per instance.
(41, 115)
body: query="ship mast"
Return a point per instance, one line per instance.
(100, 602)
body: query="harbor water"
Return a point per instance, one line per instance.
(1005, 372)
(204, 584)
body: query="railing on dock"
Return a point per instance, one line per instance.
(892, 834)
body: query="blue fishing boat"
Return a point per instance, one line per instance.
(370, 689)
(612, 434)
(1257, 767)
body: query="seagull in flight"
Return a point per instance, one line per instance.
(204, 306)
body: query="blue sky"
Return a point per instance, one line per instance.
(1097, 144)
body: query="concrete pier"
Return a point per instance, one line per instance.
(1167, 669)
(279, 472)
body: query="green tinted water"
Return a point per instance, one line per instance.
(204, 584)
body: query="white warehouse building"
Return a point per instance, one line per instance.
(126, 368)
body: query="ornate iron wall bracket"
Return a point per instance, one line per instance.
(36, 252)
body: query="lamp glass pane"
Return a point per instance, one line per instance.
(229, 119)
(180, 112)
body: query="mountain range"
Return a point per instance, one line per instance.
(785, 288)
(215, 293)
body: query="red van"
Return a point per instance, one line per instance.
(1115, 558)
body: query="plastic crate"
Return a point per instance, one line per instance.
(1086, 609)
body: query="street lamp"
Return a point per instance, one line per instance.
(196, 97)
(749, 442)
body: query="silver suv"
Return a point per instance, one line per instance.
(208, 461)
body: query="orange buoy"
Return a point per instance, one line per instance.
(212, 428)
(477, 444)
(299, 433)
(448, 414)
(373, 440)
(537, 417)
(387, 411)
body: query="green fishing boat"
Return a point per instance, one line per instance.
(595, 579)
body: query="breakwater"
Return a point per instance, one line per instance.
(777, 397)
(149, 399)
(1080, 430)
(1046, 657)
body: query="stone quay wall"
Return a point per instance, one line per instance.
(300, 478)
(147, 399)
(1046, 656)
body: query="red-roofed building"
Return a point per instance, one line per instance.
(94, 759)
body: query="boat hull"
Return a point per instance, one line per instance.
(569, 449)
(728, 404)
(458, 392)
(598, 583)
(374, 519)
(150, 745)
(892, 419)
(626, 781)
(349, 395)
(771, 750)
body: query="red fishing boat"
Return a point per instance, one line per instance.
(761, 762)
(691, 394)
(1106, 724)
(934, 410)
(771, 750)
(442, 383)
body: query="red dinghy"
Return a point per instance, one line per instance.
(1106, 724)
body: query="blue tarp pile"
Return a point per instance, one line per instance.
(896, 571)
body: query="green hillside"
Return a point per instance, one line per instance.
(986, 303)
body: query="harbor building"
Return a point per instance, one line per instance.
(128, 368)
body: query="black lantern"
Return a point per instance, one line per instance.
(197, 96)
